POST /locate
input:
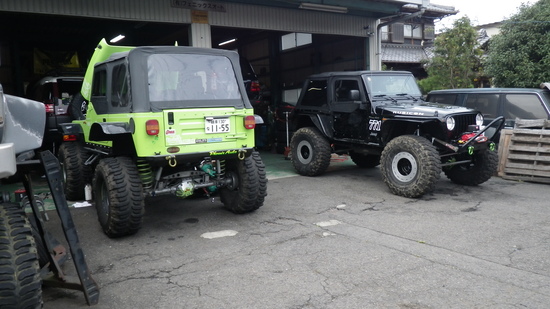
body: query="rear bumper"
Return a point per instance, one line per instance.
(168, 160)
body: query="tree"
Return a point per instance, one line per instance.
(456, 58)
(519, 56)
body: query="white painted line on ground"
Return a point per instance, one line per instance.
(218, 234)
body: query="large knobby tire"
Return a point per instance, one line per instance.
(410, 166)
(75, 174)
(483, 166)
(20, 282)
(365, 160)
(310, 152)
(78, 107)
(118, 196)
(248, 183)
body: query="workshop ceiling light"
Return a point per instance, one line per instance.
(227, 42)
(117, 38)
(323, 7)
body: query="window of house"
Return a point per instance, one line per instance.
(413, 31)
(293, 40)
(384, 33)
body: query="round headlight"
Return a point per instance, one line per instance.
(450, 123)
(479, 119)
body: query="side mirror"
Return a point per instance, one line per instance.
(354, 95)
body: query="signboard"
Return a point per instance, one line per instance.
(198, 5)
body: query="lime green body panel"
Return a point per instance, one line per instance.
(186, 134)
(101, 53)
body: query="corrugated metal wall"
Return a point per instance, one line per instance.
(236, 15)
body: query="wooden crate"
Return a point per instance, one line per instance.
(525, 151)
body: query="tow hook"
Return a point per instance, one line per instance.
(242, 154)
(172, 161)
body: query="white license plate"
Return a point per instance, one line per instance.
(217, 125)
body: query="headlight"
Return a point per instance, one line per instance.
(451, 123)
(479, 120)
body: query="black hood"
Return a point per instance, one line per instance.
(420, 109)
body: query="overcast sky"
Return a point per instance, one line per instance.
(480, 11)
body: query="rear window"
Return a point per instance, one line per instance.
(523, 106)
(180, 77)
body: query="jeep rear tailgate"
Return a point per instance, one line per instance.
(207, 129)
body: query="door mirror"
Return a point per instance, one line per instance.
(354, 95)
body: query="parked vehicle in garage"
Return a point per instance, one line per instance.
(56, 92)
(29, 255)
(162, 120)
(512, 103)
(379, 118)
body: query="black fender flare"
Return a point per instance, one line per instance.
(110, 131)
(323, 123)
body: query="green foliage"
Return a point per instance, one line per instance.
(520, 55)
(456, 58)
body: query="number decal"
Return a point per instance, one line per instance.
(374, 125)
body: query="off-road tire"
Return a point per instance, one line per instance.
(365, 161)
(78, 107)
(484, 165)
(262, 176)
(244, 194)
(76, 175)
(20, 282)
(118, 196)
(410, 166)
(309, 152)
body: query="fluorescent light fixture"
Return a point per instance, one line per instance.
(227, 42)
(323, 7)
(117, 38)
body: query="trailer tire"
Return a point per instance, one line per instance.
(20, 281)
(118, 196)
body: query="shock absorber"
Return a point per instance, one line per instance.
(145, 173)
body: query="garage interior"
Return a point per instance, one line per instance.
(58, 39)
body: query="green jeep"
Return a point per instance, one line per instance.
(161, 120)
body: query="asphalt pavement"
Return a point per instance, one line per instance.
(340, 240)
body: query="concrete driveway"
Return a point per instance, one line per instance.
(340, 240)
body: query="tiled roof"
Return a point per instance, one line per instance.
(404, 53)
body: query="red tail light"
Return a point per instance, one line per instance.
(255, 87)
(69, 138)
(152, 127)
(249, 122)
(50, 108)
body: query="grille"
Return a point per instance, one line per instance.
(461, 124)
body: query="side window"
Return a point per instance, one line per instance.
(119, 87)
(315, 94)
(447, 99)
(346, 90)
(487, 104)
(523, 106)
(99, 91)
(99, 84)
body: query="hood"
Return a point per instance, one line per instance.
(421, 110)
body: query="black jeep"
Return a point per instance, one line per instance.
(379, 118)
